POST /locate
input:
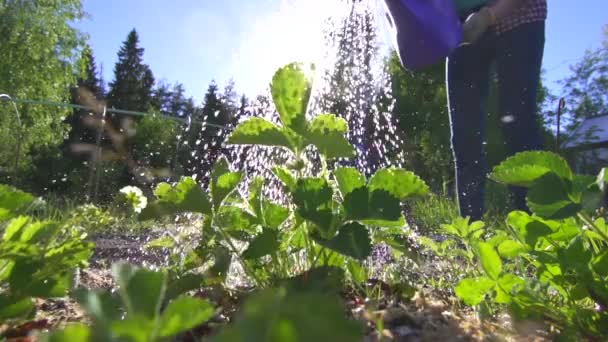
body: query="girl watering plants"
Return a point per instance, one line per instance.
(478, 36)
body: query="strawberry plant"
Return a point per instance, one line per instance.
(37, 258)
(139, 311)
(561, 245)
(334, 216)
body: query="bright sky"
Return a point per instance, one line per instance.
(195, 41)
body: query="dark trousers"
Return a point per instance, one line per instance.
(517, 57)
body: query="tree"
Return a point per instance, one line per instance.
(420, 104)
(133, 80)
(39, 59)
(586, 89)
(216, 120)
(358, 93)
(88, 92)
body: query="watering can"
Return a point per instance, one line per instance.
(427, 31)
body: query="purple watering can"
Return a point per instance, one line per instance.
(427, 30)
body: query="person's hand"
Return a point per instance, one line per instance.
(476, 25)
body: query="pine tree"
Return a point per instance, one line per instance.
(133, 80)
(358, 93)
(217, 116)
(88, 92)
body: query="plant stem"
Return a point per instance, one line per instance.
(585, 218)
(235, 251)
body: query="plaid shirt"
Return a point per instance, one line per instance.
(529, 12)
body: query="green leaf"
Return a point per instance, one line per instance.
(602, 180)
(13, 308)
(233, 218)
(256, 187)
(281, 316)
(313, 198)
(510, 249)
(600, 264)
(326, 132)
(264, 244)
(550, 198)
(185, 196)
(222, 259)
(472, 291)
(257, 131)
(356, 271)
(102, 307)
(400, 183)
(274, 214)
(507, 286)
(133, 329)
(524, 168)
(14, 229)
(529, 229)
(142, 291)
(163, 242)
(575, 256)
(324, 279)
(39, 232)
(285, 176)
(71, 333)
(490, 261)
(13, 202)
(223, 182)
(379, 208)
(177, 286)
(290, 91)
(352, 240)
(348, 179)
(183, 314)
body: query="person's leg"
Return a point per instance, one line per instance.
(519, 55)
(467, 88)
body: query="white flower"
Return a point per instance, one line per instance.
(134, 196)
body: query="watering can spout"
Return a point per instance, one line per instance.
(426, 31)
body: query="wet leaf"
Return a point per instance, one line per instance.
(285, 176)
(290, 91)
(352, 240)
(399, 183)
(313, 198)
(183, 314)
(185, 196)
(550, 198)
(490, 261)
(472, 291)
(12, 308)
(134, 328)
(507, 286)
(530, 229)
(264, 244)
(510, 249)
(223, 182)
(13, 202)
(182, 284)
(524, 168)
(348, 179)
(71, 333)
(602, 180)
(280, 316)
(378, 208)
(326, 132)
(233, 218)
(274, 214)
(141, 291)
(257, 131)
